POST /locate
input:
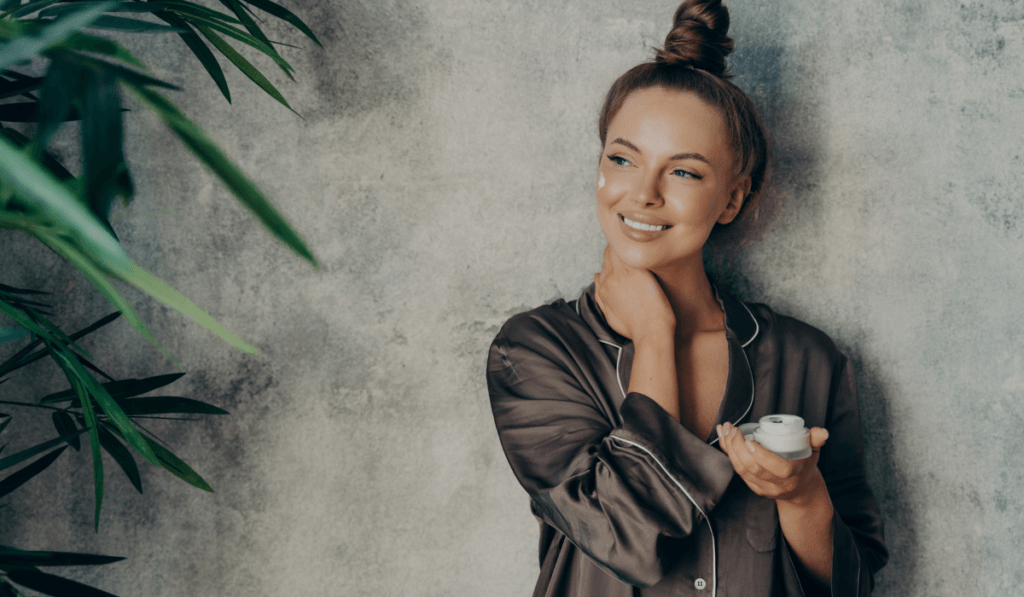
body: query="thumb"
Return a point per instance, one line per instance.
(817, 438)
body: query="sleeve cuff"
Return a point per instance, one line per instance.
(703, 470)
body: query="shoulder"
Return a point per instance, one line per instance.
(791, 336)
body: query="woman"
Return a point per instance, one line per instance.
(618, 411)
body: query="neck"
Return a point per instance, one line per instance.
(693, 300)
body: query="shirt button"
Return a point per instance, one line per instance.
(700, 584)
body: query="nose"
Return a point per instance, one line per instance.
(648, 191)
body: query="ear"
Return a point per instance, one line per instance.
(737, 195)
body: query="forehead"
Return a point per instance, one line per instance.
(658, 121)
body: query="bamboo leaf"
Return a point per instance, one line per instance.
(13, 459)
(256, 32)
(22, 475)
(13, 290)
(19, 86)
(29, 112)
(65, 424)
(67, 215)
(121, 72)
(236, 181)
(61, 87)
(130, 25)
(9, 334)
(51, 163)
(91, 425)
(83, 42)
(161, 291)
(162, 405)
(245, 38)
(102, 141)
(175, 465)
(32, 7)
(178, 467)
(285, 15)
(54, 585)
(26, 46)
(198, 47)
(100, 281)
(121, 456)
(111, 409)
(11, 556)
(243, 65)
(125, 388)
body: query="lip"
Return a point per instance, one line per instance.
(642, 236)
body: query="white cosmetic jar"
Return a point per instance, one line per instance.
(784, 435)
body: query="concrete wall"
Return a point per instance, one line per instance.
(443, 172)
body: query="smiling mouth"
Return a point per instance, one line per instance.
(641, 226)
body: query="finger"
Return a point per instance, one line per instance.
(817, 437)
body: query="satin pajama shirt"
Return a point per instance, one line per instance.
(631, 503)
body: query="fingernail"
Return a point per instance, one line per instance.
(750, 446)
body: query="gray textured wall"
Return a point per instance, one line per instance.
(443, 173)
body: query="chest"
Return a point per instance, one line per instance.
(702, 369)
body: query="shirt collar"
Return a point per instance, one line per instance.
(740, 330)
(740, 324)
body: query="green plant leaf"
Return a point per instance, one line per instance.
(12, 556)
(236, 181)
(243, 65)
(198, 47)
(121, 456)
(285, 15)
(29, 112)
(174, 464)
(54, 585)
(121, 72)
(66, 214)
(161, 291)
(83, 42)
(102, 141)
(10, 334)
(51, 163)
(100, 281)
(123, 388)
(61, 87)
(245, 38)
(23, 356)
(130, 25)
(22, 475)
(91, 422)
(18, 86)
(32, 7)
(163, 405)
(6, 590)
(26, 46)
(7, 419)
(13, 459)
(110, 408)
(256, 32)
(65, 424)
(190, 9)
(13, 290)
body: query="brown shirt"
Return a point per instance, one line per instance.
(630, 503)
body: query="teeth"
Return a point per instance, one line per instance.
(640, 226)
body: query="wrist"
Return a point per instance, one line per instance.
(812, 496)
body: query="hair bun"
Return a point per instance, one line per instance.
(698, 38)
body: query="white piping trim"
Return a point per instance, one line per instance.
(757, 326)
(617, 360)
(578, 308)
(751, 404)
(714, 554)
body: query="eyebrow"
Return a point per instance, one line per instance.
(678, 156)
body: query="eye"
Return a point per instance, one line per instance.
(685, 174)
(619, 160)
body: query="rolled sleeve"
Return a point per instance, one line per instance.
(618, 492)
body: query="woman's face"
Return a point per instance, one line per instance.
(666, 177)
